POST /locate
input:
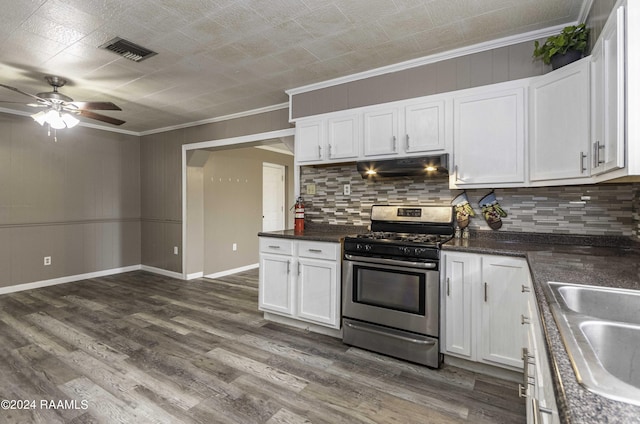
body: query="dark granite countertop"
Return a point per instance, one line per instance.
(318, 232)
(600, 261)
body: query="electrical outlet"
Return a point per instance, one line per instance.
(47, 260)
(346, 189)
(175, 250)
(234, 247)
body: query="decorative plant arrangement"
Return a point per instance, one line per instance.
(564, 48)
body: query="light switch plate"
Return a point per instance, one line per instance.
(311, 189)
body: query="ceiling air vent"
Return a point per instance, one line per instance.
(128, 50)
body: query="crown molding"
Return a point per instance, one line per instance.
(218, 119)
(437, 57)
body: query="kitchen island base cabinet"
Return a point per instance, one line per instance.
(300, 280)
(483, 307)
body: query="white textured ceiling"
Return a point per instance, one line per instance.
(219, 57)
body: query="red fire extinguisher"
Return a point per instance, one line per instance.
(299, 216)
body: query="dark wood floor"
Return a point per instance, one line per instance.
(138, 347)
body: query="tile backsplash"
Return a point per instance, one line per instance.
(612, 209)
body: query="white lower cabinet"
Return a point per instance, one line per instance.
(483, 308)
(537, 386)
(301, 280)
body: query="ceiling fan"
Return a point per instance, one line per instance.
(60, 111)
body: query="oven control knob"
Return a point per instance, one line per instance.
(359, 246)
(367, 247)
(420, 251)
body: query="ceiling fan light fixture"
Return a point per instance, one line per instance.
(40, 117)
(55, 119)
(70, 120)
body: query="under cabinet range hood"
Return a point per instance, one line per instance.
(427, 166)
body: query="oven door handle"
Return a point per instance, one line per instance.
(394, 336)
(384, 261)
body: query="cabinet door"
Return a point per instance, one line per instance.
(424, 124)
(489, 138)
(276, 289)
(381, 132)
(608, 105)
(559, 123)
(460, 272)
(343, 137)
(502, 307)
(318, 296)
(309, 141)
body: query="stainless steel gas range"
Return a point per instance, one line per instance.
(391, 282)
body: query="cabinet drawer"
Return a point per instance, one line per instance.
(276, 245)
(319, 250)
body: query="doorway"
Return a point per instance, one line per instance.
(273, 197)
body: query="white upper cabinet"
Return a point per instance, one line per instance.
(343, 136)
(489, 136)
(559, 123)
(328, 138)
(381, 132)
(608, 91)
(310, 140)
(425, 127)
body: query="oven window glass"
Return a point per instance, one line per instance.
(397, 290)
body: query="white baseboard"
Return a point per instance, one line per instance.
(68, 279)
(161, 271)
(195, 275)
(232, 271)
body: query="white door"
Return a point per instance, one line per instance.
(273, 208)
(462, 272)
(381, 132)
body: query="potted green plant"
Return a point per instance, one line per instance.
(564, 48)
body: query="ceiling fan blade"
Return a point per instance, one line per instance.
(22, 92)
(95, 105)
(98, 117)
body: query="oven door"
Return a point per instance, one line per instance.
(400, 296)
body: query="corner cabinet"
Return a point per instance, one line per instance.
(489, 136)
(483, 306)
(559, 123)
(300, 280)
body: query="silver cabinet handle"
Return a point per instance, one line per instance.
(298, 268)
(485, 291)
(329, 151)
(274, 247)
(526, 289)
(595, 154)
(315, 250)
(524, 320)
(600, 148)
(288, 267)
(582, 158)
(394, 143)
(408, 146)
(448, 286)
(319, 152)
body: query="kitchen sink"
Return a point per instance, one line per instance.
(602, 303)
(600, 328)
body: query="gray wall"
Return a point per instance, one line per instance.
(161, 176)
(233, 205)
(612, 210)
(76, 200)
(488, 67)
